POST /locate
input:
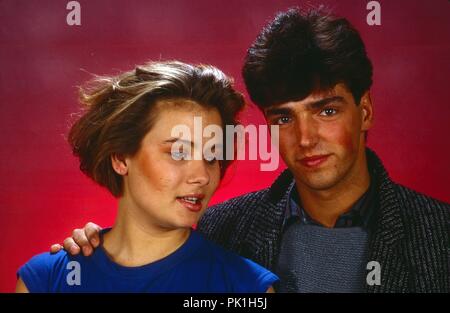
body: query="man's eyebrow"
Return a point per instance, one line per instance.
(314, 105)
(278, 111)
(323, 102)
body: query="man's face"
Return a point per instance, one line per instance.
(322, 137)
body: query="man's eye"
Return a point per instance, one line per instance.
(283, 120)
(328, 112)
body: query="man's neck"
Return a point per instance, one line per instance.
(135, 242)
(325, 206)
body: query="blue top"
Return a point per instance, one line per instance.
(197, 266)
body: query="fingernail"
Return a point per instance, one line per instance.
(94, 241)
(86, 250)
(73, 249)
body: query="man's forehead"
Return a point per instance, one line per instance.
(339, 90)
(323, 93)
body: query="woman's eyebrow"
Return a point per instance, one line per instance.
(173, 140)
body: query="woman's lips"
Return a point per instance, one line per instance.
(194, 207)
(314, 161)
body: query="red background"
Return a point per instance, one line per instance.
(43, 196)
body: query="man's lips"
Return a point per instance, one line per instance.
(315, 160)
(192, 202)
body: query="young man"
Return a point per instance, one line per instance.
(333, 221)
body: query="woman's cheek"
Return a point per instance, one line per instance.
(215, 177)
(159, 173)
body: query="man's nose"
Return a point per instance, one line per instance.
(306, 132)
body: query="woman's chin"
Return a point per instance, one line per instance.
(186, 222)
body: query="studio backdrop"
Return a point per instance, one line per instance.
(48, 48)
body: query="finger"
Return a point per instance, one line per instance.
(55, 248)
(81, 240)
(93, 233)
(70, 246)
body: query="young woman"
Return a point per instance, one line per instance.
(124, 142)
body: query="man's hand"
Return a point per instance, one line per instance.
(86, 239)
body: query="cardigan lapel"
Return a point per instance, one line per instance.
(387, 234)
(264, 234)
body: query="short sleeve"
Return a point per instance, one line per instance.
(247, 276)
(262, 277)
(36, 273)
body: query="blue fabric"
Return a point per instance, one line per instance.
(197, 266)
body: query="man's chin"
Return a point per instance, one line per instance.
(320, 183)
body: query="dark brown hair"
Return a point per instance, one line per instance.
(119, 111)
(304, 51)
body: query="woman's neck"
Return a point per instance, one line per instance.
(133, 241)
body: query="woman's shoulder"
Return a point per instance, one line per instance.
(245, 273)
(47, 262)
(39, 272)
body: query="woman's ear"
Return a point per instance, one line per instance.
(367, 111)
(119, 164)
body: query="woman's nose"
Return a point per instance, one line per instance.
(198, 172)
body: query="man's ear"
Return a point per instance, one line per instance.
(367, 111)
(119, 164)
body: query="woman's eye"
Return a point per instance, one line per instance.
(328, 112)
(283, 120)
(176, 155)
(211, 160)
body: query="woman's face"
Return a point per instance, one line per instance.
(166, 192)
